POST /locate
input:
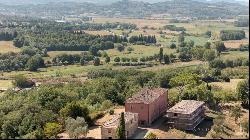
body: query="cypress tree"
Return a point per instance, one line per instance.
(161, 54)
(166, 59)
(121, 132)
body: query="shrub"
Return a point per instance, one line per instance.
(22, 82)
(150, 135)
(111, 112)
(172, 46)
(117, 59)
(52, 129)
(130, 49)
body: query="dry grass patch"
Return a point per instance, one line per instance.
(7, 46)
(5, 84)
(232, 85)
(235, 43)
(98, 32)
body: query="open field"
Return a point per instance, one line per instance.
(54, 71)
(174, 65)
(196, 27)
(139, 22)
(234, 55)
(5, 84)
(232, 85)
(139, 51)
(235, 43)
(98, 32)
(7, 46)
(55, 53)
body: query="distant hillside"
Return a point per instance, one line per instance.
(126, 8)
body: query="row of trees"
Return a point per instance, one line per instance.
(232, 35)
(65, 41)
(242, 23)
(218, 63)
(174, 28)
(101, 26)
(142, 39)
(7, 34)
(13, 61)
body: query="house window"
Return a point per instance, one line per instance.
(109, 130)
(131, 107)
(175, 114)
(142, 123)
(131, 121)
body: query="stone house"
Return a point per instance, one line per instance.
(149, 103)
(108, 129)
(186, 115)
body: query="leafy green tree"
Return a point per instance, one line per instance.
(130, 49)
(217, 63)
(120, 47)
(220, 47)
(52, 129)
(76, 127)
(97, 61)
(207, 45)
(37, 134)
(190, 43)
(35, 62)
(208, 33)
(236, 113)
(172, 46)
(181, 37)
(107, 59)
(185, 56)
(166, 59)
(185, 80)
(22, 82)
(121, 131)
(106, 104)
(93, 50)
(117, 59)
(134, 59)
(243, 92)
(209, 55)
(31, 51)
(143, 59)
(75, 110)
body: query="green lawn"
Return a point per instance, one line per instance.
(139, 51)
(234, 55)
(53, 71)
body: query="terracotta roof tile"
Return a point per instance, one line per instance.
(186, 106)
(147, 95)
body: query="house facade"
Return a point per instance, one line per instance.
(149, 103)
(108, 129)
(186, 115)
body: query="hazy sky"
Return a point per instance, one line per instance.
(95, 1)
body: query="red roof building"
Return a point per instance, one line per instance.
(149, 103)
